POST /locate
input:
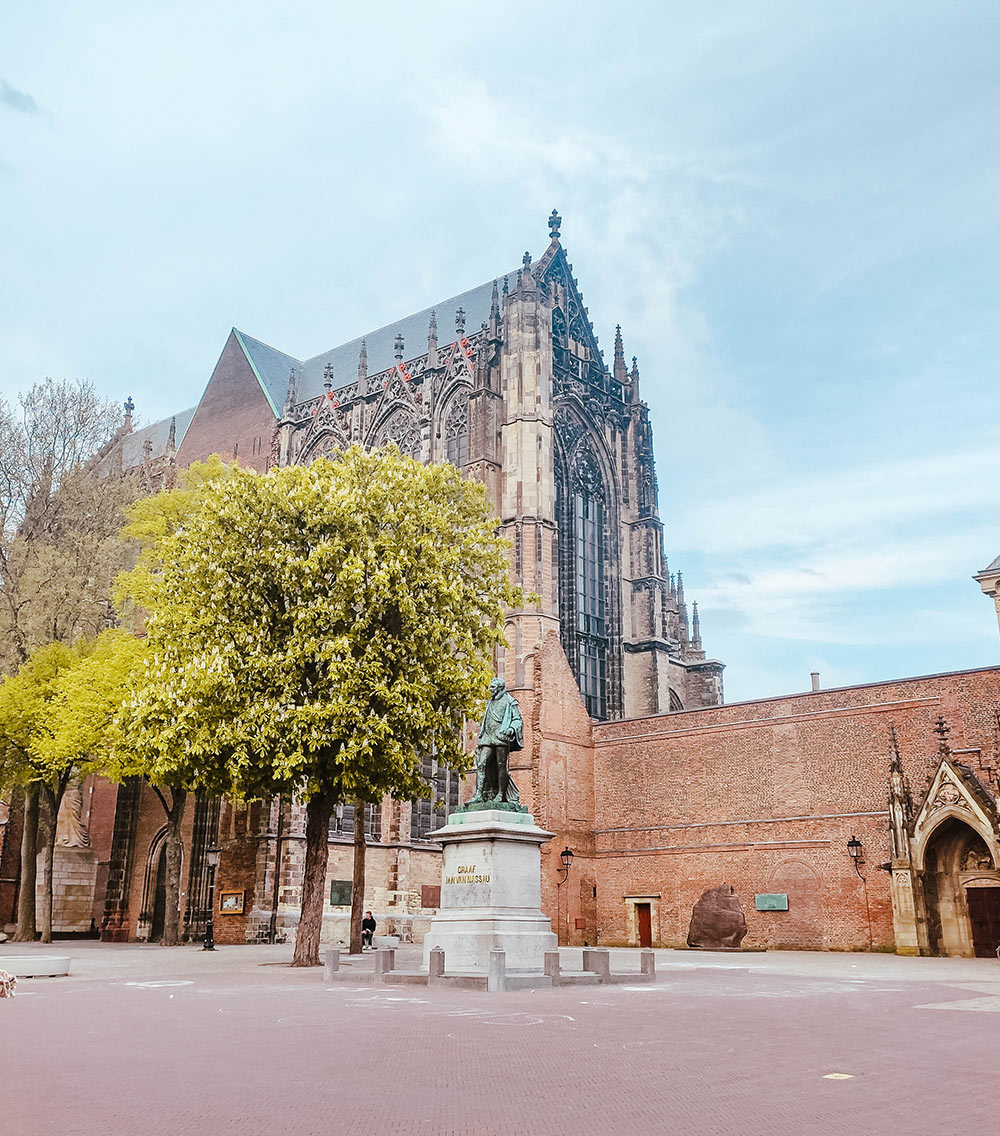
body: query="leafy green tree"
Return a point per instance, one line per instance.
(316, 629)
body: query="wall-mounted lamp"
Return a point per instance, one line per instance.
(855, 851)
(566, 859)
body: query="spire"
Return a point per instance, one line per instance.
(129, 407)
(682, 611)
(363, 368)
(328, 378)
(900, 802)
(695, 626)
(506, 287)
(635, 380)
(493, 330)
(554, 222)
(460, 322)
(895, 762)
(680, 587)
(432, 342)
(290, 396)
(620, 370)
(526, 281)
(398, 349)
(172, 435)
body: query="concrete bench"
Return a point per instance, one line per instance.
(35, 966)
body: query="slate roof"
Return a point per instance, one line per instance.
(272, 366)
(157, 433)
(993, 566)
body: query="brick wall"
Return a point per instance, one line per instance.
(761, 795)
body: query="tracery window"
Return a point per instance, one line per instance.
(588, 568)
(403, 430)
(429, 813)
(456, 432)
(342, 821)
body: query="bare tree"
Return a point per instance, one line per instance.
(62, 501)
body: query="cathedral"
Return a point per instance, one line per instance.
(863, 817)
(507, 381)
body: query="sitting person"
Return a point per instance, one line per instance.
(367, 929)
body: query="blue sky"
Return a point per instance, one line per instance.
(790, 208)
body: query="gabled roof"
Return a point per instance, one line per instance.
(272, 366)
(133, 444)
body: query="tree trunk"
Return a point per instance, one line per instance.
(173, 854)
(26, 928)
(48, 857)
(358, 887)
(318, 812)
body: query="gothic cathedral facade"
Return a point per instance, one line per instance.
(508, 382)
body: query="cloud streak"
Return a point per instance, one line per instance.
(17, 100)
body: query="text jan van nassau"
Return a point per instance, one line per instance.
(467, 874)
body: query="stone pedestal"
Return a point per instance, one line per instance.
(491, 893)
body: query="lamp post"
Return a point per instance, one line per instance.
(212, 859)
(566, 860)
(857, 855)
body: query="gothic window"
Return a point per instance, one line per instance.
(342, 821)
(403, 431)
(429, 813)
(456, 432)
(588, 570)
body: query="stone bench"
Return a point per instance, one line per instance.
(35, 966)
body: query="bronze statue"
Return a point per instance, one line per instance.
(501, 733)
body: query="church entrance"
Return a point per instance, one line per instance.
(984, 914)
(961, 893)
(159, 896)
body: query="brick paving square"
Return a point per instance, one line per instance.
(141, 1039)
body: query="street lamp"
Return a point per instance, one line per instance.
(854, 850)
(566, 859)
(212, 859)
(856, 853)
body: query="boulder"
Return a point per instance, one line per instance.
(717, 920)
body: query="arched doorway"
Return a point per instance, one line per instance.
(159, 896)
(961, 892)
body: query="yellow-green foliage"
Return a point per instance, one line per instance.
(57, 711)
(317, 627)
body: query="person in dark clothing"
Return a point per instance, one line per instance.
(367, 929)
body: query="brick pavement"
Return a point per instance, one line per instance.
(738, 1045)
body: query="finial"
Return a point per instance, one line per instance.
(506, 287)
(172, 434)
(398, 349)
(328, 378)
(290, 395)
(621, 371)
(432, 342)
(129, 407)
(695, 626)
(460, 321)
(895, 764)
(363, 360)
(680, 587)
(526, 260)
(554, 222)
(942, 729)
(635, 379)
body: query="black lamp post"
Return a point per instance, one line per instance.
(566, 860)
(212, 859)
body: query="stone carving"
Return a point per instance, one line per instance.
(501, 732)
(71, 829)
(717, 920)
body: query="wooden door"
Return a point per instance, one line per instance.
(644, 917)
(984, 912)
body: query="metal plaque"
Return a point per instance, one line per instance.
(773, 901)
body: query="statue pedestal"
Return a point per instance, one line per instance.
(491, 893)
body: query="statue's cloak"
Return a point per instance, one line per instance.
(511, 721)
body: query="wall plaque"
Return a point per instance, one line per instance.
(773, 901)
